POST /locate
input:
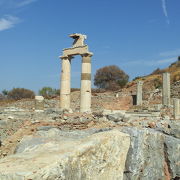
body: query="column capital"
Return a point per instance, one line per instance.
(66, 57)
(89, 54)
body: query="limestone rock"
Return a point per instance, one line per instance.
(115, 117)
(171, 128)
(3, 123)
(152, 155)
(145, 155)
(47, 134)
(28, 144)
(53, 111)
(44, 128)
(13, 109)
(172, 155)
(100, 156)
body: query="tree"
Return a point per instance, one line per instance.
(1, 97)
(5, 92)
(110, 78)
(20, 93)
(48, 92)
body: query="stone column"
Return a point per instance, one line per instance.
(166, 90)
(85, 101)
(39, 103)
(65, 89)
(176, 103)
(139, 93)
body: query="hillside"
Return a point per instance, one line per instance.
(154, 80)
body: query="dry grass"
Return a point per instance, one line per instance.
(6, 102)
(173, 69)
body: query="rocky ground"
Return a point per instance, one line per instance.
(116, 141)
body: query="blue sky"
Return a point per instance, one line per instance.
(136, 35)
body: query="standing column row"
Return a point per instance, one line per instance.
(85, 101)
(65, 82)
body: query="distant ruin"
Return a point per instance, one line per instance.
(166, 96)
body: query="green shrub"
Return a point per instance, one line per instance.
(48, 92)
(5, 92)
(1, 97)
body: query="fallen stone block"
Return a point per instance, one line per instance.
(152, 155)
(100, 156)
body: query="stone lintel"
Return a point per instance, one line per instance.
(75, 47)
(76, 51)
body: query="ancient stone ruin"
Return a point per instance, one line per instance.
(130, 134)
(78, 48)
